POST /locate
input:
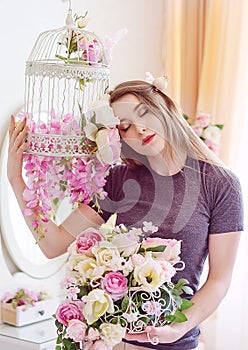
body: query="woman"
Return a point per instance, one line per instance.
(169, 178)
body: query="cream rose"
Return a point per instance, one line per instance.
(112, 333)
(89, 268)
(106, 255)
(97, 303)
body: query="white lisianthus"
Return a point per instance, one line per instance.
(212, 133)
(150, 274)
(107, 229)
(106, 254)
(103, 113)
(97, 303)
(112, 333)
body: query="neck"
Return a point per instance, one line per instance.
(165, 165)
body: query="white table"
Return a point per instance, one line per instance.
(37, 336)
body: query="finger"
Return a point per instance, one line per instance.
(19, 134)
(12, 125)
(141, 337)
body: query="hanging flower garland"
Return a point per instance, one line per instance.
(52, 178)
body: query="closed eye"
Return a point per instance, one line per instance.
(124, 129)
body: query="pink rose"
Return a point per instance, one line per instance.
(202, 119)
(86, 240)
(76, 330)
(115, 284)
(69, 311)
(101, 345)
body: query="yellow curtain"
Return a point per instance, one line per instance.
(201, 58)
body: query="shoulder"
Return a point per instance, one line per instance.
(121, 172)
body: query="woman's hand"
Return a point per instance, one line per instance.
(156, 335)
(17, 145)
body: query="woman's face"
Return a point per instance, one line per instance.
(138, 127)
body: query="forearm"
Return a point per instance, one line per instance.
(206, 301)
(56, 239)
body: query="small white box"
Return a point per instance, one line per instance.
(18, 317)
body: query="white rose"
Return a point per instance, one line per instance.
(127, 244)
(212, 133)
(112, 333)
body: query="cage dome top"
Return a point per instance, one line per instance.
(71, 44)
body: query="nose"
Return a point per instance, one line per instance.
(140, 128)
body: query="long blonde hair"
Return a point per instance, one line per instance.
(178, 133)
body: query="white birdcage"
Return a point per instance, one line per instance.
(66, 72)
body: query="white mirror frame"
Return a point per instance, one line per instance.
(31, 268)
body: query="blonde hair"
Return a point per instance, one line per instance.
(178, 133)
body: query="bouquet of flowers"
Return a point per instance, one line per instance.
(51, 178)
(118, 281)
(208, 132)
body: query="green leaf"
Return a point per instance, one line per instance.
(186, 116)
(67, 343)
(159, 248)
(179, 317)
(83, 118)
(187, 290)
(124, 303)
(220, 126)
(186, 304)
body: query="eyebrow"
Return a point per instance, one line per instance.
(135, 109)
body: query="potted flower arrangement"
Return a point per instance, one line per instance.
(117, 281)
(208, 132)
(25, 306)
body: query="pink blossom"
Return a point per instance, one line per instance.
(137, 259)
(72, 292)
(69, 311)
(115, 284)
(93, 334)
(169, 270)
(152, 308)
(76, 330)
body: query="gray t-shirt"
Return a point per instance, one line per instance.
(199, 200)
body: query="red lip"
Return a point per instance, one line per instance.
(148, 139)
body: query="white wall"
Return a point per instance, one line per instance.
(23, 20)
